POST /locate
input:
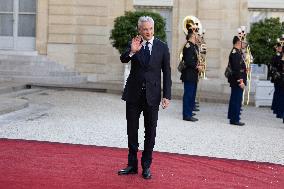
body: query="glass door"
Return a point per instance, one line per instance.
(6, 24)
(17, 24)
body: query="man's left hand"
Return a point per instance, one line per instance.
(165, 103)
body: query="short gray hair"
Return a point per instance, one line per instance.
(145, 19)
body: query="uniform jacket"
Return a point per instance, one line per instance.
(238, 67)
(190, 57)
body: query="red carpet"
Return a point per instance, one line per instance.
(31, 164)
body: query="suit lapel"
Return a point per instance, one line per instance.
(141, 57)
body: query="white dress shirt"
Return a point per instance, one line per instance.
(150, 44)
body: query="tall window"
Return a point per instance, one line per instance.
(257, 15)
(27, 17)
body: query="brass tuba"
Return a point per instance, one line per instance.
(193, 23)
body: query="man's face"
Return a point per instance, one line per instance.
(146, 30)
(238, 45)
(279, 49)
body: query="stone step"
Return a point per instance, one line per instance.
(36, 69)
(8, 105)
(22, 92)
(49, 66)
(49, 79)
(9, 87)
(114, 87)
(15, 61)
(23, 58)
(38, 72)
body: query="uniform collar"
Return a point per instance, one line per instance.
(191, 42)
(238, 50)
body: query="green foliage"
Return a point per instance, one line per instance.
(263, 37)
(125, 28)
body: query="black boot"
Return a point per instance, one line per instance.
(128, 170)
(132, 166)
(146, 162)
(146, 173)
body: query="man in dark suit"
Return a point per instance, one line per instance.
(237, 82)
(149, 56)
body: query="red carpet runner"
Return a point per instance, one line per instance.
(31, 164)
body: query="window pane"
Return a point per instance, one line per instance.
(26, 25)
(6, 25)
(27, 6)
(6, 5)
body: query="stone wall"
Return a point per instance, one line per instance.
(76, 33)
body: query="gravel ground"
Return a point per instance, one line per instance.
(81, 117)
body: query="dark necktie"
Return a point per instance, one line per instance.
(147, 53)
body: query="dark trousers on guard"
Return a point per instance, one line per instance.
(150, 113)
(275, 100)
(235, 104)
(189, 98)
(195, 92)
(281, 104)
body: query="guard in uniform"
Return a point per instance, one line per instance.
(237, 82)
(189, 76)
(275, 75)
(281, 87)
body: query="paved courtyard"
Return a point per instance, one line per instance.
(83, 117)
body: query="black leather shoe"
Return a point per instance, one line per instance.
(195, 110)
(146, 173)
(193, 114)
(190, 119)
(128, 170)
(237, 123)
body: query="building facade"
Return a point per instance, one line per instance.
(76, 33)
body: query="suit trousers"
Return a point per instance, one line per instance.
(150, 113)
(189, 98)
(235, 104)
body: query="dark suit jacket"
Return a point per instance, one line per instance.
(150, 74)
(190, 73)
(238, 68)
